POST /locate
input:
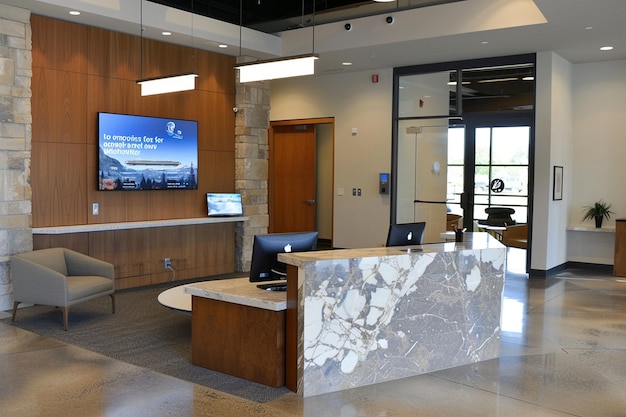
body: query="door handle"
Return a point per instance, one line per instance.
(464, 201)
(310, 202)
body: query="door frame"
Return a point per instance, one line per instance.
(293, 122)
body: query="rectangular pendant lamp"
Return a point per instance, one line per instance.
(168, 84)
(293, 66)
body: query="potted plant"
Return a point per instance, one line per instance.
(598, 212)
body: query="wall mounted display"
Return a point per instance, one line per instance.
(146, 153)
(557, 185)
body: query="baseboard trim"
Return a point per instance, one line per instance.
(550, 273)
(591, 266)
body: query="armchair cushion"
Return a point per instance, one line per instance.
(516, 236)
(60, 277)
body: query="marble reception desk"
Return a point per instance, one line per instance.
(364, 316)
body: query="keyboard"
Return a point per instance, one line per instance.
(274, 286)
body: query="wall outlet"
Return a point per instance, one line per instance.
(166, 263)
(95, 208)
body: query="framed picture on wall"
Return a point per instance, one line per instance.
(557, 185)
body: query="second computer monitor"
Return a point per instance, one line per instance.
(265, 249)
(406, 234)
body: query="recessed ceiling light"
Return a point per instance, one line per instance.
(165, 33)
(588, 27)
(346, 64)
(484, 42)
(606, 48)
(74, 12)
(221, 45)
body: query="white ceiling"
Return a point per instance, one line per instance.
(448, 32)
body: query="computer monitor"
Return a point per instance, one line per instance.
(406, 234)
(224, 204)
(265, 249)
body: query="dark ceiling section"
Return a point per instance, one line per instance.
(508, 88)
(273, 16)
(258, 12)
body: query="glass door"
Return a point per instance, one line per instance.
(461, 142)
(488, 166)
(501, 170)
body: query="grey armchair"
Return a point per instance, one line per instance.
(60, 277)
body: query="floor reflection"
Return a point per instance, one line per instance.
(563, 354)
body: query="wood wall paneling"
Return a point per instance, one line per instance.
(58, 106)
(79, 71)
(58, 184)
(219, 133)
(174, 243)
(126, 249)
(213, 243)
(217, 73)
(112, 95)
(57, 44)
(74, 241)
(163, 59)
(175, 204)
(217, 170)
(113, 55)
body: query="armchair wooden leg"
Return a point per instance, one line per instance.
(113, 302)
(15, 304)
(66, 313)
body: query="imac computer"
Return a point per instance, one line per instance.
(265, 249)
(406, 234)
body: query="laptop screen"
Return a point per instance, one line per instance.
(224, 204)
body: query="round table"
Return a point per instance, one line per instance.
(176, 298)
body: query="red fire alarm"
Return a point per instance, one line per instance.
(374, 78)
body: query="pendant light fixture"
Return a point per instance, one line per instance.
(285, 67)
(166, 84)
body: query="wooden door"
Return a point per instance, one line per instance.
(292, 178)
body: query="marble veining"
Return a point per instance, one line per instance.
(380, 318)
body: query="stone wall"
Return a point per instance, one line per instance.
(251, 165)
(15, 140)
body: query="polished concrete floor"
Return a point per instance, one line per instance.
(563, 353)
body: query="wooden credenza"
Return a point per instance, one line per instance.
(619, 263)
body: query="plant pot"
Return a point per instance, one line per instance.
(599, 221)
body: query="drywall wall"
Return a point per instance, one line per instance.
(553, 138)
(362, 145)
(599, 147)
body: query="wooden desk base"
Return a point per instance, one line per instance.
(246, 342)
(619, 258)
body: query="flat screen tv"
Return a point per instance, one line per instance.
(406, 234)
(265, 249)
(146, 153)
(224, 204)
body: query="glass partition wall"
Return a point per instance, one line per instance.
(462, 140)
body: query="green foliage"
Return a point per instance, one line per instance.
(599, 209)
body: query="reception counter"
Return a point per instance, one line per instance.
(362, 316)
(238, 329)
